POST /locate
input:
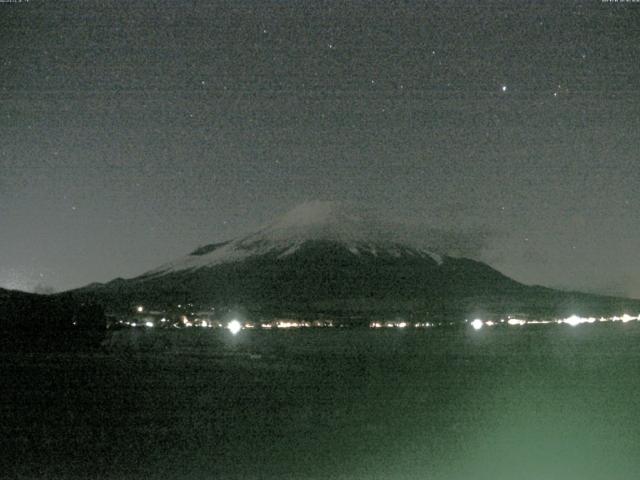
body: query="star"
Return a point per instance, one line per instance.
(503, 88)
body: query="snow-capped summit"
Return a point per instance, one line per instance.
(325, 220)
(358, 230)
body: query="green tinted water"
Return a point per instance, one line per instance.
(550, 402)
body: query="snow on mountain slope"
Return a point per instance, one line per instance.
(357, 230)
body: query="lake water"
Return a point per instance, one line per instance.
(544, 402)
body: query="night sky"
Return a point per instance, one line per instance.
(132, 132)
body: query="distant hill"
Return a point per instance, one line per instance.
(326, 259)
(48, 321)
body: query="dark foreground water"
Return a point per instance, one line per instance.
(550, 402)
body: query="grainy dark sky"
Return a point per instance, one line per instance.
(132, 132)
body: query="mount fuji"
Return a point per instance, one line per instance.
(359, 232)
(325, 258)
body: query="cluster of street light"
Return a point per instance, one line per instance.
(573, 320)
(235, 326)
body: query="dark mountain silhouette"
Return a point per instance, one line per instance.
(324, 259)
(32, 321)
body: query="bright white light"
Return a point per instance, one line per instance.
(287, 324)
(627, 318)
(477, 324)
(573, 320)
(402, 324)
(503, 88)
(516, 321)
(490, 323)
(148, 324)
(140, 309)
(234, 326)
